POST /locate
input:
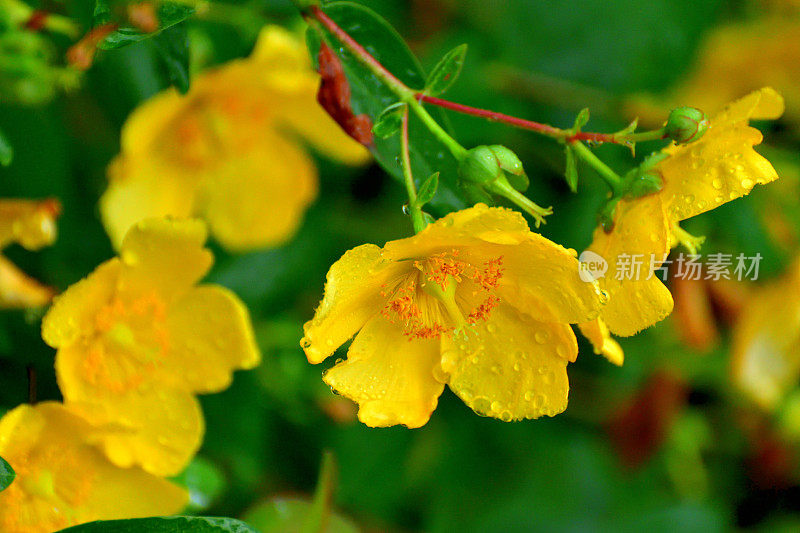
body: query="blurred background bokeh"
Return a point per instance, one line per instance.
(678, 438)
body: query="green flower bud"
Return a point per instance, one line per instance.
(480, 166)
(507, 159)
(686, 125)
(645, 183)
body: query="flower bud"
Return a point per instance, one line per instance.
(480, 166)
(686, 125)
(645, 183)
(507, 159)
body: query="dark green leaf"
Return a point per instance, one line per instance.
(370, 95)
(169, 14)
(7, 474)
(571, 171)
(6, 151)
(173, 524)
(313, 44)
(173, 48)
(428, 189)
(389, 121)
(446, 71)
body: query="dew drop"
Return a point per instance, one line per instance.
(717, 183)
(481, 406)
(506, 416)
(747, 183)
(517, 367)
(540, 337)
(496, 407)
(491, 328)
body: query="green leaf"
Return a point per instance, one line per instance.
(172, 524)
(102, 13)
(204, 481)
(428, 189)
(173, 48)
(389, 121)
(7, 474)
(370, 95)
(571, 171)
(446, 71)
(581, 119)
(6, 150)
(169, 14)
(282, 515)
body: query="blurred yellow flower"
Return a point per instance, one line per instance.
(734, 60)
(697, 177)
(62, 480)
(228, 150)
(475, 301)
(596, 332)
(765, 346)
(136, 339)
(31, 224)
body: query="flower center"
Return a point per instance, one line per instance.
(442, 295)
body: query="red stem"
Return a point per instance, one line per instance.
(343, 36)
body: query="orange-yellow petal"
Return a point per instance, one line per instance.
(62, 480)
(766, 342)
(73, 312)
(258, 198)
(352, 296)
(210, 336)
(146, 125)
(18, 290)
(140, 188)
(641, 232)
(539, 277)
(512, 367)
(145, 423)
(722, 165)
(31, 223)
(164, 256)
(597, 333)
(389, 376)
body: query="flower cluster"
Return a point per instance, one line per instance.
(136, 341)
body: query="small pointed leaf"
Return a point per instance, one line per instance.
(571, 170)
(428, 189)
(446, 71)
(581, 119)
(389, 121)
(7, 474)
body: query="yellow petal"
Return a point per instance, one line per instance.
(258, 199)
(164, 256)
(31, 223)
(139, 188)
(765, 344)
(723, 165)
(18, 290)
(641, 231)
(512, 367)
(210, 337)
(144, 128)
(389, 376)
(62, 480)
(539, 277)
(352, 296)
(149, 424)
(597, 333)
(73, 312)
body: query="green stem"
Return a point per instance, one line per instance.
(653, 135)
(317, 520)
(611, 178)
(503, 188)
(417, 219)
(458, 151)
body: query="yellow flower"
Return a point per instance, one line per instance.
(62, 480)
(697, 177)
(31, 224)
(475, 301)
(227, 150)
(736, 59)
(766, 341)
(136, 339)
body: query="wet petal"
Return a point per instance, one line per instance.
(641, 232)
(352, 296)
(389, 376)
(512, 367)
(18, 290)
(210, 337)
(597, 333)
(31, 223)
(723, 165)
(63, 480)
(73, 312)
(164, 255)
(148, 122)
(258, 198)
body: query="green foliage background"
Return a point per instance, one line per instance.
(266, 434)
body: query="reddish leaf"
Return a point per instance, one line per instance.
(334, 97)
